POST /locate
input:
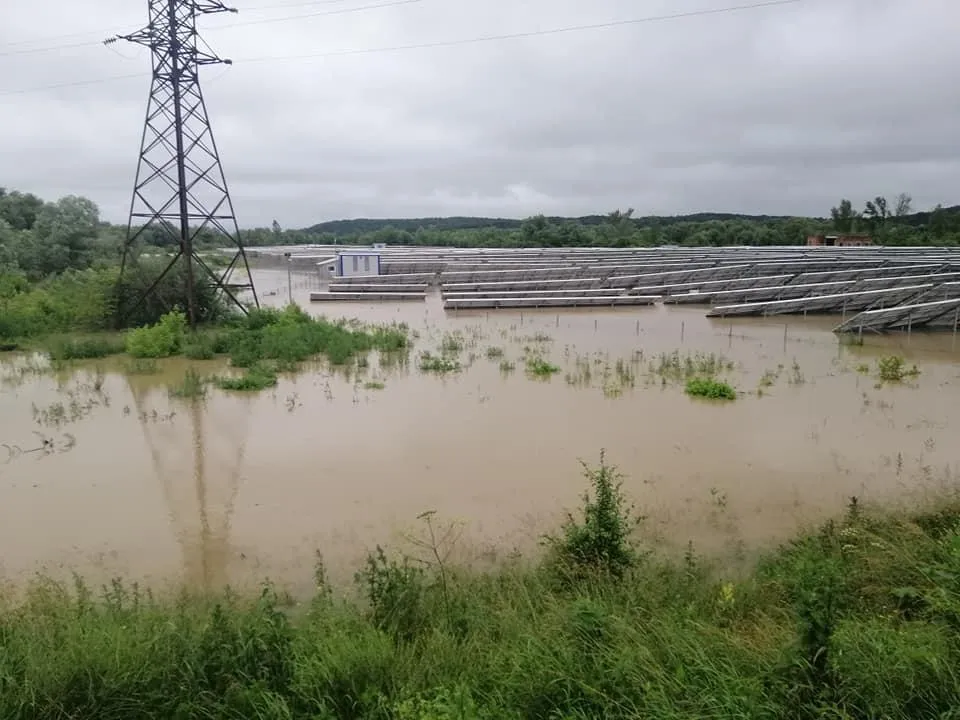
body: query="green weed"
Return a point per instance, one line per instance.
(374, 385)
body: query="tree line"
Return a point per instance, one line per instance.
(887, 223)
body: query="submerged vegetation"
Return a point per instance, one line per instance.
(710, 389)
(893, 369)
(856, 619)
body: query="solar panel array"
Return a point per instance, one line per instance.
(872, 282)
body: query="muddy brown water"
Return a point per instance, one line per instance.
(105, 474)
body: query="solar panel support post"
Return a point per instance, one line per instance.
(956, 320)
(180, 193)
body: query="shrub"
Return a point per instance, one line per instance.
(599, 541)
(199, 347)
(394, 591)
(893, 369)
(710, 389)
(161, 340)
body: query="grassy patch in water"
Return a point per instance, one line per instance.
(856, 619)
(540, 368)
(257, 377)
(710, 389)
(438, 363)
(292, 336)
(84, 347)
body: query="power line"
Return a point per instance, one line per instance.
(101, 33)
(531, 33)
(453, 43)
(75, 83)
(344, 11)
(262, 21)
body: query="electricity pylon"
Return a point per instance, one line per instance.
(180, 189)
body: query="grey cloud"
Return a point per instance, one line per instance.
(779, 110)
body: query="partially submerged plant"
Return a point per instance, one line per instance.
(710, 389)
(893, 369)
(599, 540)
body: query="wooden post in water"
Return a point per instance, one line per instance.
(909, 324)
(638, 329)
(683, 327)
(595, 324)
(785, 337)
(558, 319)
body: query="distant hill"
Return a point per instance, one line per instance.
(360, 226)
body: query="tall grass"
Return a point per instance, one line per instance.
(857, 619)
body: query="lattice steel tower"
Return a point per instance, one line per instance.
(180, 189)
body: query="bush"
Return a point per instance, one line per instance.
(161, 340)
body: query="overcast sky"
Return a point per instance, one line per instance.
(775, 110)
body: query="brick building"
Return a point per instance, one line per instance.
(844, 240)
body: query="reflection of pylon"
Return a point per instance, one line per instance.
(199, 513)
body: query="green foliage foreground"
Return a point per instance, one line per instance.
(859, 619)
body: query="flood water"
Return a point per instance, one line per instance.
(102, 472)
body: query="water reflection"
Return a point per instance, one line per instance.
(198, 463)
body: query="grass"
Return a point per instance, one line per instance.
(540, 368)
(710, 389)
(257, 377)
(374, 385)
(264, 342)
(440, 364)
(858, 618)
(84, 347)
(680, 368)
(142, 366)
